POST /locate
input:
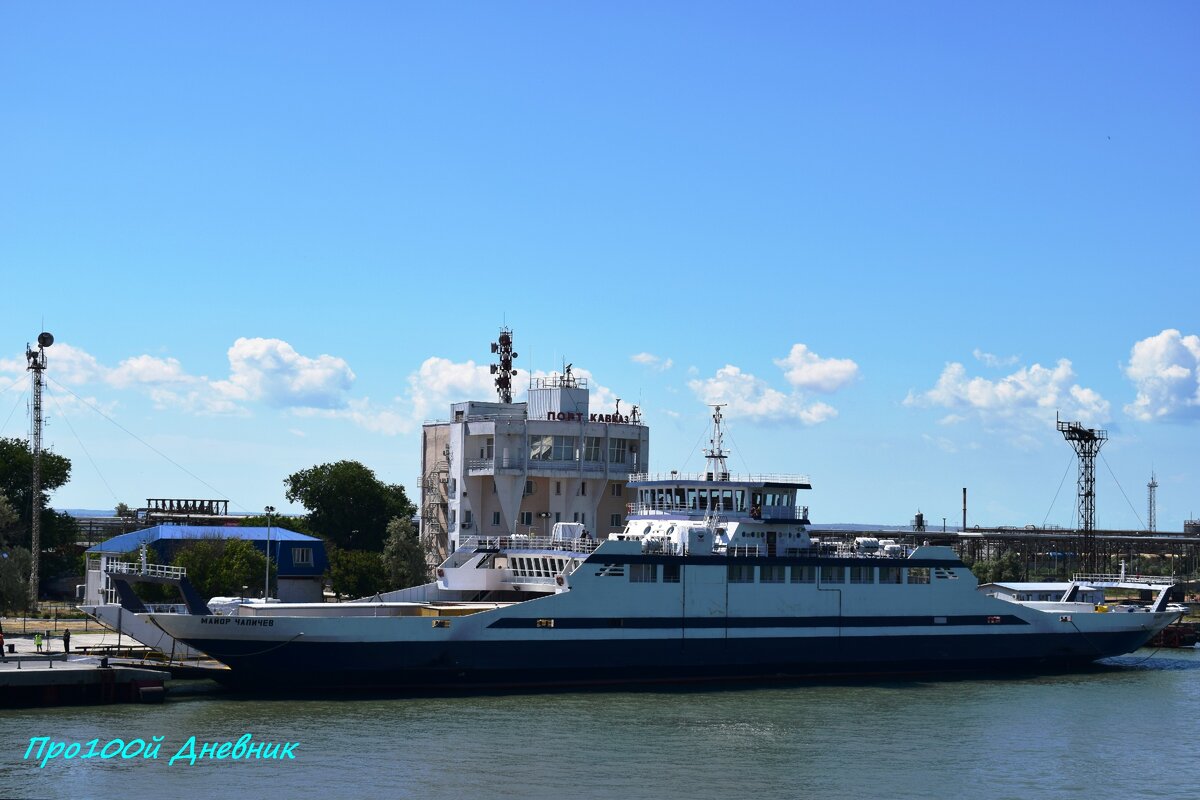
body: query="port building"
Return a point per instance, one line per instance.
(506, 468)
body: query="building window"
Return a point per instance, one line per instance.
(741, 573)
(541, 448)
(670, 573)
(490, 448)
(302, 557)
(617, 449)
(593, 448)
(558, 516)
(643, 573)
(583, 489)
(558, 487)
(618, 490)
(467, 518)
(529, 487)
(495, 517)
(526, 517)
(614, 521)
(564, 448)
(889, 575)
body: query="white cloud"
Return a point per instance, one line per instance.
(990, 360)
(804, 369)
(439, 382)
(1030, 396)
(270, 370)
(652, 361)
(1166, 371)
(148, 370)
(753, 398)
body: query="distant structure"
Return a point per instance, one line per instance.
(1152, 503)
(918, 523)
(503, 468)
(37, 365)
(1087, 443)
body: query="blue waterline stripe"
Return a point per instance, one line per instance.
(645, 623)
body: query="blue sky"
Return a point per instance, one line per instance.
(895, 238)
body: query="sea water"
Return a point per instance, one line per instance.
(1125, 729)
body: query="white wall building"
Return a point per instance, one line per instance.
(498, 469)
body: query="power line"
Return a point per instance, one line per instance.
(95, 466)
(149, 446)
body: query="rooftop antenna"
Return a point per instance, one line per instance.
(504, 371)
(717, 469)
(37, 365)
(1087, 443)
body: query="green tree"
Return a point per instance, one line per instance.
(220, 567)
(297, 524)
(356, 573)
(59, 531)
(15, 565)
(8, 517)
(404, 559)
(348, 506)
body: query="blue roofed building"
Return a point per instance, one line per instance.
(301, 560)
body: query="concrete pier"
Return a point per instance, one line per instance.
(53, 680)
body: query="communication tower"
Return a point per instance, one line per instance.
(504, 371)
(36, 366)
(1152, 502)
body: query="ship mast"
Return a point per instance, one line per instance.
(716, 468)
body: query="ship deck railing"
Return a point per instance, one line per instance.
(153, 570)
(522, 542)
(1113, 579)
(718, 477)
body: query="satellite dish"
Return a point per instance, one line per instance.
(45, 339)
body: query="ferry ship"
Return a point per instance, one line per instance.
(713, 578)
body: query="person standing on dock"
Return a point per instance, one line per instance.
(66, 640)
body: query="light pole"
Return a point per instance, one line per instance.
(267, 578)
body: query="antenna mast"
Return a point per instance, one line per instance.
(717, 469)
(37, 365)
(504, 371)
(1152, 502)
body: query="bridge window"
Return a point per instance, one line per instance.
(918, 574)
(862, 574)
(670, 573)
(643, 573)
(889, 575)
(833, 574)
(771, 574)
(740, 573)
(804, 574)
